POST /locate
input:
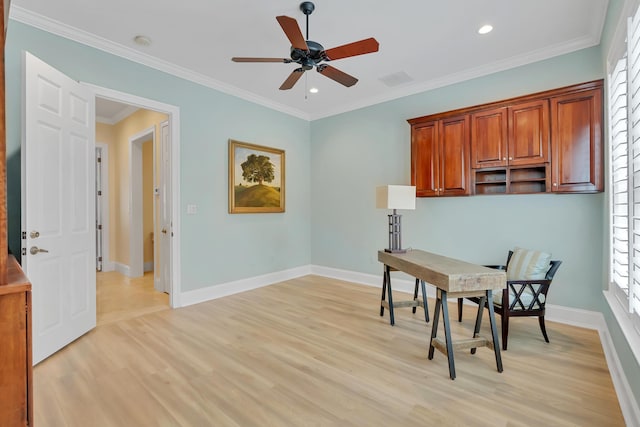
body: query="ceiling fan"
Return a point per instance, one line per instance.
(309, 54)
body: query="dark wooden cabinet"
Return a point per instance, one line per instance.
(576, 142)
(510, 136)
(16, 406)
(489, 133)
(440, 157)
(529, 133)
(545, 142)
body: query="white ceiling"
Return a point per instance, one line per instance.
(434, 43)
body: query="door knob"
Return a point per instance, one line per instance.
(34, 250)
(34, 234)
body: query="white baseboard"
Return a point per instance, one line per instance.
(148, 266)
(399, 284)
(230, 288)
(122, 268)
(566, 315)
(108, 266)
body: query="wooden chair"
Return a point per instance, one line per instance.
(519, 298)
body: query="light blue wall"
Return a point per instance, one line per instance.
(354, 152)
(216, 247)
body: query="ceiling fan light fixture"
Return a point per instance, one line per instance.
(485, 29)
(313, 90)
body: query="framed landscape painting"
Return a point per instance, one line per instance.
(256, 178)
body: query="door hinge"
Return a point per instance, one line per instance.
(24, 235)
(24, 251)
(99, 159)
(99, 226)
(100, 258)
(99, 192)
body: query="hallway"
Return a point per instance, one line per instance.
(120, 297)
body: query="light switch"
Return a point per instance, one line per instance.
(192, 209)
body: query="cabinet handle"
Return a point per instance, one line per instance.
(555, 184)
(504, 158)
(510, 158)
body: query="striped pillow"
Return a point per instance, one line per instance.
(526, 264)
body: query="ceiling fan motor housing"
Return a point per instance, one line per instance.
(311, 57)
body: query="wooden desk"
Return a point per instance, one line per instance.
(455, 279)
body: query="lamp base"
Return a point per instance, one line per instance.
(396, 251)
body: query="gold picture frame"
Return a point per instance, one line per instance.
(256, 178)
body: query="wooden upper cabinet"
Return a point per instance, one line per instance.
(454, 153)
(529, 133)
(510, 136)
(576, 141)
(439, 157)
(489, 138)
(543, 142)
(425, 166)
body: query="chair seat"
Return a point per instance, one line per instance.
(526, 298)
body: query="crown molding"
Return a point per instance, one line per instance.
(52, 26)
(44, 23)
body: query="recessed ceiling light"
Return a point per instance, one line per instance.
(142, 40)
(485, 29)
(313, 90)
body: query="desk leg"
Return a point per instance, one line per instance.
(476, 329)
(392, 319)
(384, 289)
(434, 325)
(415, 295)
(447, 335)
(494, 331)
(424, 301)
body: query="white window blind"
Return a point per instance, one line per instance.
(624, 149)
(619, 176)
(633, 115)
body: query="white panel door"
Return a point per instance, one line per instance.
(164, 243)
(58, 208)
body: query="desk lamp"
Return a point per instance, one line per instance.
(395, 197)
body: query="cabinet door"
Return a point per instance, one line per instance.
(424, 159)
(529, 133)
(454, 156)
(13, 359)
(576, 142)
(489, 138)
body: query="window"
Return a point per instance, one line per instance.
(624, 150)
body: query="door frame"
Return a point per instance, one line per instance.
(107, 265)
(136, 220)
(173, 112)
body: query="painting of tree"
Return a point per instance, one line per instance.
(258, 169)
(256, 178)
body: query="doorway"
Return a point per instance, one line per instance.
(162, 140)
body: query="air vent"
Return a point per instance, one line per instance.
(396, 79)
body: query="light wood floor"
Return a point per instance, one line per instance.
(315, 352)
(119, 297)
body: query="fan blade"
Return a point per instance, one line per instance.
(292, 30)
(361, 47)
(292, 79)
(337, 75)
(242, 59)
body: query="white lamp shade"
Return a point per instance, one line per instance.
(396, 197)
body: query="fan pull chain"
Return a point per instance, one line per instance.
(306, 82)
